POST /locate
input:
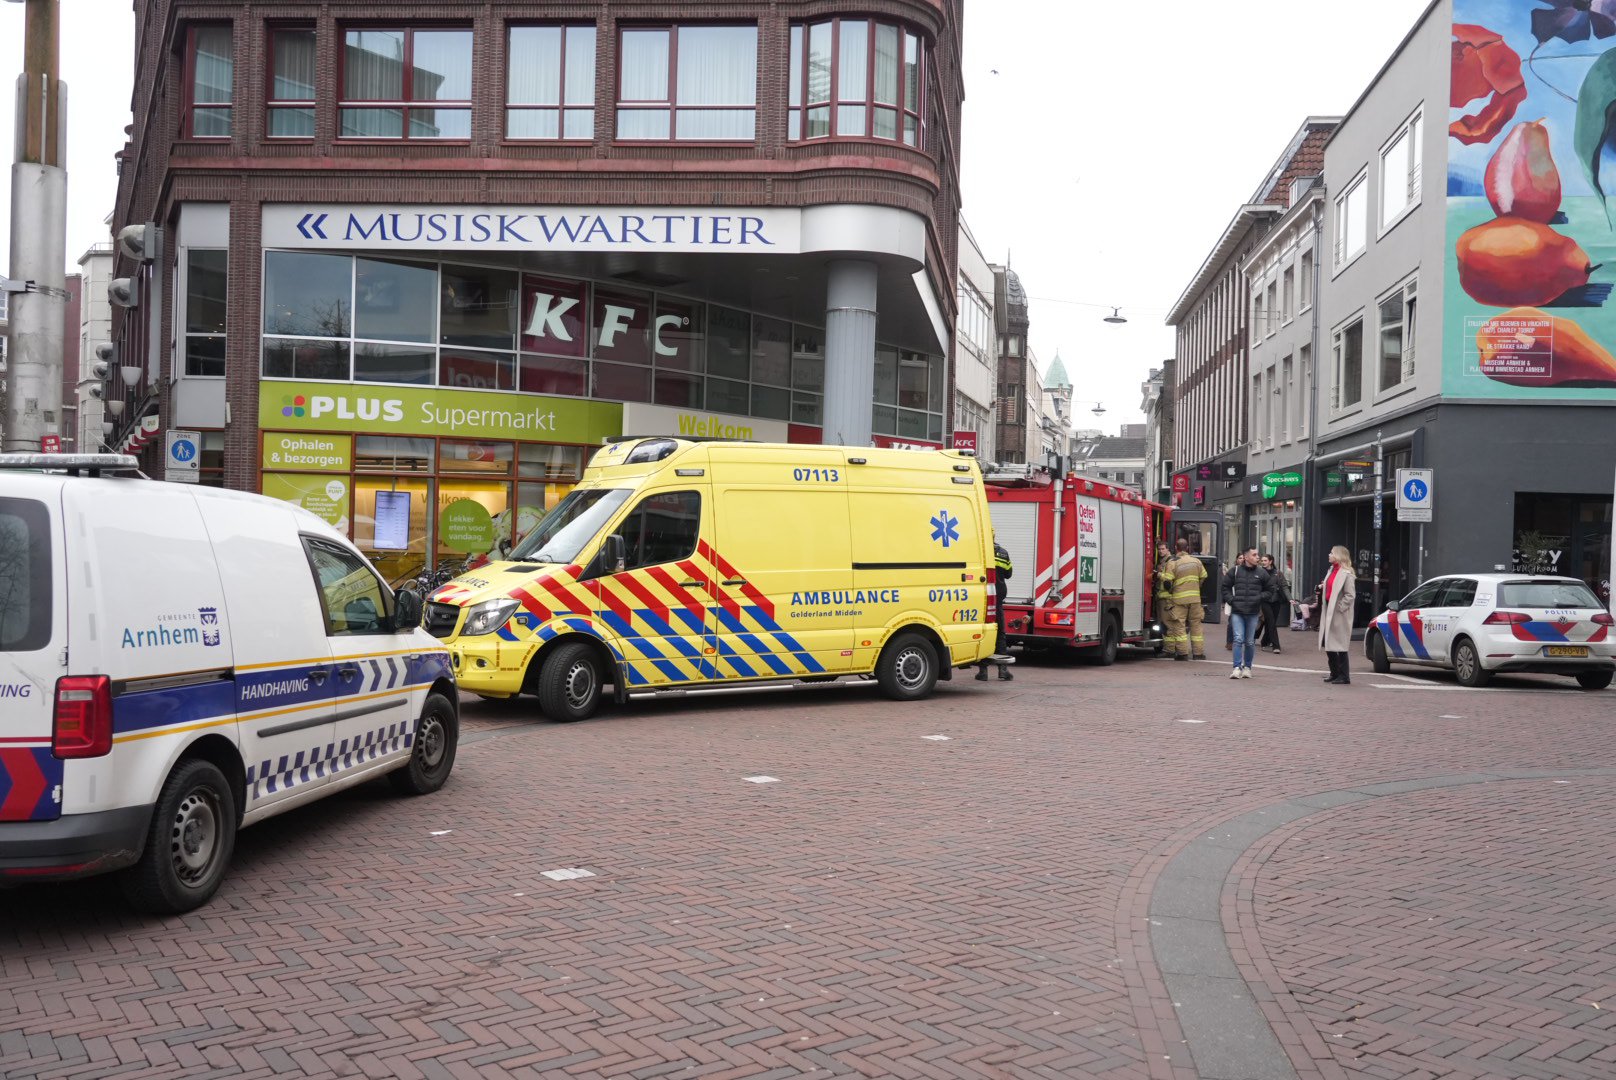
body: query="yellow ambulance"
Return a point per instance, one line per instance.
(681, 565)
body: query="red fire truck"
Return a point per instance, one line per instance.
(1083, 557)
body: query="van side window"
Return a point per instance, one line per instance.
(355, 602)
(25, 576)
(663, 528)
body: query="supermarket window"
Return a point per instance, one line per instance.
(406, 84)
(856, 78)
(687, 83)
(291, 84)
(550, 82)
(210, 75)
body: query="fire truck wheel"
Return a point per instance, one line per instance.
(1106, 654)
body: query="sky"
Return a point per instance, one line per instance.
(1117, 139)
(1105, 146)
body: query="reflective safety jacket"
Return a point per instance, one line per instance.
(1001, 570)
(1164, 579)
(1186, 574)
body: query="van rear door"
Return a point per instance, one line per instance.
(33, 635)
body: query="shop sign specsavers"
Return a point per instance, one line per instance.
(428, 410)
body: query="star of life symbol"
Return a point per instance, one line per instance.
(945, 528)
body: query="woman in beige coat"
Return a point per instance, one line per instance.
(1340, 593)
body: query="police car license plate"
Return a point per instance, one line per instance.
(1565, 650)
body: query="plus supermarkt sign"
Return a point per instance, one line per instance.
(1414, 494)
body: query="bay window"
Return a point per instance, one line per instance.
(855, 78)
(687, 83)
(550, 83)
(291, 84)
(406, 84)
(210, 79)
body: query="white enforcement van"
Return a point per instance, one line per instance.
(177, 662)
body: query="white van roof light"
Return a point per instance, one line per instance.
(75, 464)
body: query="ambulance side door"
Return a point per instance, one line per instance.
(657, 604)
(783, 564)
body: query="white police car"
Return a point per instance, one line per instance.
(1479, 624)
(178, 661)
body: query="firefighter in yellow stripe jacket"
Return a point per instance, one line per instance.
(1184, 576)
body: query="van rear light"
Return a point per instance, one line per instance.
(1604, 619)
(1505, 618)
(993, 575)
(82, 724)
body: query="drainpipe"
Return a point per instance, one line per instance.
(1312, 488)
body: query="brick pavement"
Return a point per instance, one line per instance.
(893, 907)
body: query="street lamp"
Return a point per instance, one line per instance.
(1116, 317)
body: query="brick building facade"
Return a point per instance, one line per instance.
(510, 224)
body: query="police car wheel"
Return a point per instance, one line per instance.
(907, 669)
(189, 843)
(1467, 664)
(569, 683)
(1377, 655)
(432, 752)
(1594, 680)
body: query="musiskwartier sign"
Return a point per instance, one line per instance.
(540, 228)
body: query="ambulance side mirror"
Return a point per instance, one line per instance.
(406, 611)
(614, 555)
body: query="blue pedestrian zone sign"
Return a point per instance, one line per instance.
(184, 450)
(1415, 491)
(184, 457)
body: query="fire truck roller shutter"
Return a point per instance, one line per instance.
(1135, 566)
(1015, 525)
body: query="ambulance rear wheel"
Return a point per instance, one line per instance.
(1594, 680)
(569, 683)
(189, 843)
(907, 669)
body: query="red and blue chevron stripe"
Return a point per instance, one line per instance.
(30, 784)
(1394, 634)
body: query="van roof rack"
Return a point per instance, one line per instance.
(72, 464)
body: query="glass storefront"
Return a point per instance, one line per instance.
(412, 502)
(365, 319)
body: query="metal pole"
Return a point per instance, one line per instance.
(1380, 516)
(33, 405)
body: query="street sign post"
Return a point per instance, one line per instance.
(184, 457)
(50, 444)
(1415, 496)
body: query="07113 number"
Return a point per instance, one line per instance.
(824, 476)
(944, 595)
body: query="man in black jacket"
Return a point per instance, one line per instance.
(1247, 585)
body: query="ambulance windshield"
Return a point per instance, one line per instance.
(572, 524)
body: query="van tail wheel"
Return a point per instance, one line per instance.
(189, 842)
(569, 683)
(432, 754)
(907, 668)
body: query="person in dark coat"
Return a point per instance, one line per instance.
(1001, 587)
(1277, 610)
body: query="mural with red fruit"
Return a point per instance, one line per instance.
(1531, 200)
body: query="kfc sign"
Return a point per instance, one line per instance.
(965, 440)
(622, 325)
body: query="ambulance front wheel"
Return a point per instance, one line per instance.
(193, 832)
(907, 669)
(569, 683)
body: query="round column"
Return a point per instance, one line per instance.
(849, 351)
